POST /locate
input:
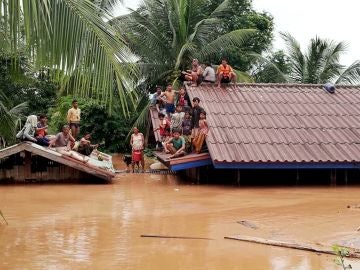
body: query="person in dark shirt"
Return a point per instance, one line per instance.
(186, 131)
(195, 117)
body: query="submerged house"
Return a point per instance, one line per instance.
(29, 162)
(276, 126)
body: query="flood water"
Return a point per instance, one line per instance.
(99, 226)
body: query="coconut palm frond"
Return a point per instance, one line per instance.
(332, 68)
(7, 127)
(19, 109)
(297, 59)
(321, 62)
(143, 120)
(243, 77)
(233, 39)
(222, 10)
(350, 75)
(263, 60)
(71, 36)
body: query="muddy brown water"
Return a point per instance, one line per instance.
(99, 226)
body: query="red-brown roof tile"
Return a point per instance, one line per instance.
(281, 122)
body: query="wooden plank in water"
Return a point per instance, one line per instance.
(174, 237)
(299, 246)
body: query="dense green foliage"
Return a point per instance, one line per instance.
(243, 16)
(166, 34)
(74, 41)
(22, 92)
(111, 129)
(23, 85)
(320, 63)
(272, 69)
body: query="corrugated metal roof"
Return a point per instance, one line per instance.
(281, 122)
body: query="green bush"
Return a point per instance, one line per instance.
(110, 129)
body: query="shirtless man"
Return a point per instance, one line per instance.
(194, 74)
(170, 99)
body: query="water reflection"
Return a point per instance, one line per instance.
(99, 227)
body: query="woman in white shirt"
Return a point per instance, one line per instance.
(209, 74)
(137, 145)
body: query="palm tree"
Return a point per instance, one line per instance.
(72, 39)
(10, 119)
(166, 34)
(320, 63)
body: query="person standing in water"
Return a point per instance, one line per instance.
(73, 118)
(137, 146)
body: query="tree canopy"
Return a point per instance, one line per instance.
(320, 63)
(72, 39)
(166, 34)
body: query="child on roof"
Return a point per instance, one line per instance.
(201, 135)
(176, 145)
(177, 118)
(164, 129)
(183, 99)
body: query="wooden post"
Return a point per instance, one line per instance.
(147, 133)
(297, 177)
(346, 177)
(27, 167)
(238, 177)
(333, 177)
(198, 176)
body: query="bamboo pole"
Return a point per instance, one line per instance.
(174, 237)
(298, 246)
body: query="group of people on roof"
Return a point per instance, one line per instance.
(206, 73)
(65, 142)
(182, 124)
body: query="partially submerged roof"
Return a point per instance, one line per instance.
(185, 162)
(102, 169)
(281, 125)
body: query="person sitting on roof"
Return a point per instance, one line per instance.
(176, 145)
(203, 131)
(62, 144)
(183, 99)
(195, 74)
(209, 74)
(225, 73)
(85, 146)
(41, 131)
(27, 133)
